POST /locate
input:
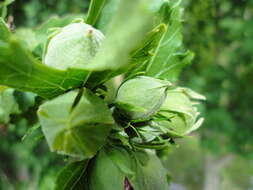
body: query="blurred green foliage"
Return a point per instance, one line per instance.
(30, 13)
(189, 170)
(19, 156)
(221, 35)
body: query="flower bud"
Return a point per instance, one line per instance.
(178, 115)
(141, 97)
(72, 46)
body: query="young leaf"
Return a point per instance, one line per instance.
(169, 58)
(95, 8)
(80, 131)
(18, 69)
(70, 175)
(146, 50)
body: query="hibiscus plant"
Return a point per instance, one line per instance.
(113, 136)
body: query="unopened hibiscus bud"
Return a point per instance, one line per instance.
(178, 114)
(72, 46)
(141, 97)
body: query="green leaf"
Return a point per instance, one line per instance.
(104, 173)
(18, 69)
(121, 158)
(114, 165)
(78, 131)
(70, 175)
(112, 7)
(150, 174)
(107, 14)
(170, 56)
(175, 65)
(146, 50)
(113, 59)
(4, 30)
(95, 8)
(30, 131)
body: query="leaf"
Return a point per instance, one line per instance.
(132, 30)
(113, 59)
(70, 175)
(80, 131)
(4, 30)
(150, 174)
(176, 63)
(146, 50)
(18, 69)
(25, 73)
(170, 56)
(114, 165)
(112, 7)
(121, 158)
(95, 8)
(104, 173)
(107, 14)
(30, 131)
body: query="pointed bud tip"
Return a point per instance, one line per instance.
(89, 33)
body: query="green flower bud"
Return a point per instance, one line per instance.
(178, 115)
(141, 97)
(157, 109)
(72, 46)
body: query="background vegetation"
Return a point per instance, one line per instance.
(220, 33)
